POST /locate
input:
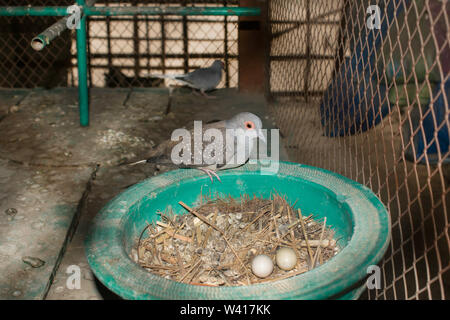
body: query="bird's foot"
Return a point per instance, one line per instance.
(207, 96)
(211, 173)
(204, 94)
(201, 93)
(196, 93)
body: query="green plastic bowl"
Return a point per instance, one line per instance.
(359, 219)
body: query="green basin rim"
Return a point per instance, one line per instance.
(371, 235)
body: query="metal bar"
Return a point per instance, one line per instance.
(185, 42)
(302, 22)
(105, 66)
(155, 19)
(131, 11)
(308, 49)
(147, 42)
(108, 38)
(88, 47)
(225, 50)
(136, 46)
(154, 38)
(163, 45)
(165, 55)
(204, 20)
(33, 11)
(297, 93)
(179, 11)
(298, 24)
(267, 26)
(82, 71)
(303, 57)
(41, 40)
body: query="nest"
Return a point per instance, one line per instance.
(215, 243)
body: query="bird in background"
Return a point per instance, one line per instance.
(250, 125)
(202, 79)
(116, 78)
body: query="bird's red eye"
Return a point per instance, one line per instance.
(249, 125)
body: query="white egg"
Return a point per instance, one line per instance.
(262, 266)
(286, 258)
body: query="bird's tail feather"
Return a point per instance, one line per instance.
(177, 77)
(135, 163)
(168, 76)
(154, 160)
(157, 160)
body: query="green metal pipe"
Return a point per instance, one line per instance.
(130, 11)
(41, 40)
(32, 11)
(179, 11)
(83, 96)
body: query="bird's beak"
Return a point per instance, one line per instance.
(261, 135)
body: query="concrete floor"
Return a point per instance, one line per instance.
(55, 176)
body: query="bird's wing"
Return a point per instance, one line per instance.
(162, 154)
(167, 76)
(204, 78)
(232, 158)
(178, 77)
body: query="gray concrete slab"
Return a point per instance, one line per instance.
(37, 208)
(109, 182)
(47, 122)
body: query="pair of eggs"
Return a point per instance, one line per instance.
(262, 265)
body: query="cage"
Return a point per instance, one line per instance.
(356, 87)
(363, 90)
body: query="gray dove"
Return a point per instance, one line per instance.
(202, 79)
(239, 135)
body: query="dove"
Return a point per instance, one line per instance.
(238, 139)
(115, 78)
(202, 79)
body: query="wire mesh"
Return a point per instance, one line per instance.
(122, 51)
(20, 65)
(369, 103)
(373, 104)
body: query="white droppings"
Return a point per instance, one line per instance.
(59, 289)
(17, 293)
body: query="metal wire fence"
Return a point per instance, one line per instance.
(357, 89)
(364, 91)
(20, 65)
(122, 51)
